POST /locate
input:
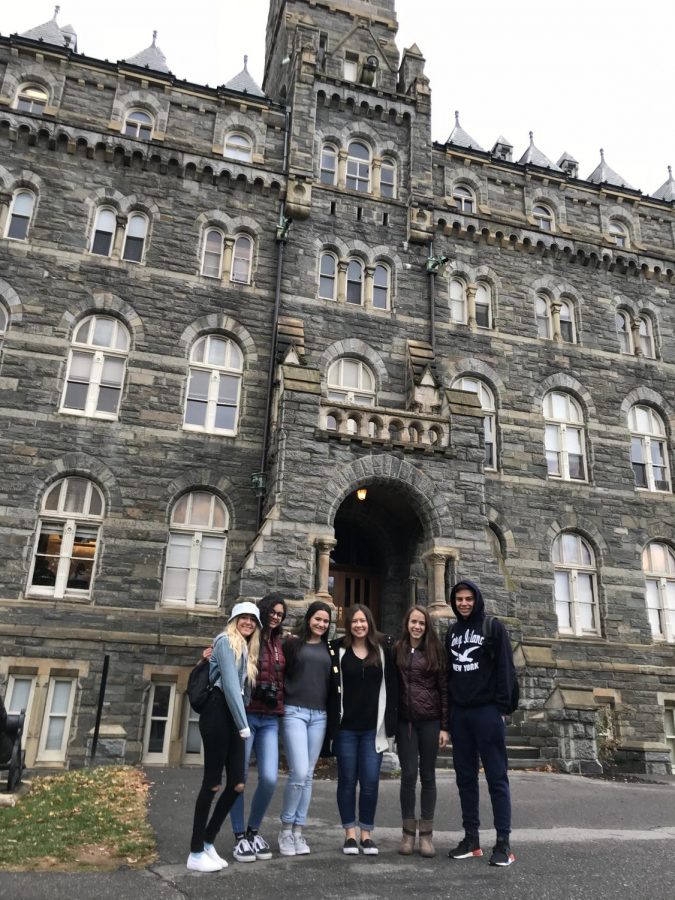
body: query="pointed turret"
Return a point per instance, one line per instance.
(667, 190)
(51, 33)
(460, 138)
(604, 174)
(534, 157)
(150, 58)
(243, 83)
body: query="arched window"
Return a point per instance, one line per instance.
(464, 199)
(4, 322)
(138, 124)
(20, 214)
(351, 381)
(567, 330)
(543, 314)
(212, 253)
(65, 549)
(576, 603)
(483, 305)
(242, 259)
(381, 287)
(658, 565)
(104, 231)
(238, 146)
(331, 423)
(647, 337)
(329, 155)
(648, 449)
(327, 276)
(624, 332)
(564, 440)
(457, 301)
(96, 366)
(214, 386)
(543, 217)
(31, 98)
(355, 282)
(195, 555)
(358, 167)
(134, 238)
(618, 234)
(487, 404)
(388, 178)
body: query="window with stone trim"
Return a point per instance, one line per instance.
(138, 124)
(646, 333)
(66, 545)
(214, 386)
(4, 323)
(358, 167)
(543, 217)
(464, 198)
(329, 164)
(19, 698)
(96, 368)
(103, 235)
(388, 178)
(56, 724)
(624, 331)
(242, 259)
(669, 730)
(618, 234)
(381, 287)
(354, 282)
(238, 146)
(31, 98)
(483, 303)
(195, 555)
(568, 332)
(158, 721)
(20, 215)
(327, 276)
(658, 565)
(457, 290)
(564, 437)
(487, 402)
(543, 315)
(212, 253)
(350, 67)
(575, 579)
(351, 381)
(648, 449)
(135, 235)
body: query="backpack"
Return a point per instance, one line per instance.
(489, 646)
(199, 687)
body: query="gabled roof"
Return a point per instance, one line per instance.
(51, 33)
(534, 157)
(460, 138)
(243, 83)
(667, 190)
(603, 174)
(150, 58)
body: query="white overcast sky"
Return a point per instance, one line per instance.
(581, 74)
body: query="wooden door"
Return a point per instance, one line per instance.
(354, 584)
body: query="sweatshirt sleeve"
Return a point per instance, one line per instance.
(391, 683)
(505, 668)
(229, 677)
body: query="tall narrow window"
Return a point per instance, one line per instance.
(104, 231)
(19, 699)
(483, 305)
(464, 199)
(192, 739)
(161, 700)
(457, 301)
(4, 323)
(238, 146)
(576, 602)
(351, 381)
(350, 67)
(138, 124)
(134, 238)
(658, 565)
(669, 730)
(66, 545)
(329, 156)
(214, 385)
(327, 276)
(31, 98)
(381, 287)
(195, 555)
(618, 234)
(56, 724)
(543, 217)
(648, 449)
(212, 254)
(567, 331)
(358, 167)
(96, 368)
(355, 282)
(647, 337)
(388, 178)
(242, 258)
(624, 332)
(564, 437)
(487, 403)
(20, 214)
(543, 314)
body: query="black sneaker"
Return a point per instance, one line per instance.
(467, 848)
(369, 848)
(501, 855)
(243, 852)
(259, 845)
(350, 847)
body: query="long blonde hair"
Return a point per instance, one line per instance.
(239, 644)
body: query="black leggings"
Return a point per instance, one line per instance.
(417, 744)
(223, 748)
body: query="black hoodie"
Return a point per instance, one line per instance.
(478, 677)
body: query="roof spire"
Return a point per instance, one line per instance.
(456, 117)
(532, 139)
(57, 10)
(534, 157)
(667, 190)
(246, 62)
(154, 38)
(604, 174)
(460, 138)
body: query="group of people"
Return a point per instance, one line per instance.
(348, 697)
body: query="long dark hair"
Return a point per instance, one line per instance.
(293, 644)
(265, 606)
(372, 638)
(430, 645)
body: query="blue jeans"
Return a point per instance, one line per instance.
(304, 731)
(265, 739)
(357, 762)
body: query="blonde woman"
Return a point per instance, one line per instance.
(224, 729)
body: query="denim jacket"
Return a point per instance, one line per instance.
(230, 677)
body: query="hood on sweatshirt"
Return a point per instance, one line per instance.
(479, 606)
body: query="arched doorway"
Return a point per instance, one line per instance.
(376, 558)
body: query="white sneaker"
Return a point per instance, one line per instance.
(243, 852)
(287, 843)
(301, 845)
(212, 853)
(260, 847)
(202, 862)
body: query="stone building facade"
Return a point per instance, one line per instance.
(228, 313)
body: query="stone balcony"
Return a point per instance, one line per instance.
(403, 429)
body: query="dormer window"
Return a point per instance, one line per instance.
(543, 217)
(350, 67)
(31, 98)
(138, 124)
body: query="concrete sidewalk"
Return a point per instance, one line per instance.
(574, 838)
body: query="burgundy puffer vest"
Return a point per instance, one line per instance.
(271, 666)
(423, 695)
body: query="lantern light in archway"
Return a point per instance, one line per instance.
(361, 494)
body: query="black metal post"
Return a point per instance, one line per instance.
(99, 708)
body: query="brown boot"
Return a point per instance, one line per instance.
(408, 837)
(426, 833)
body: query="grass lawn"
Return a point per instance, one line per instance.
(85, 819)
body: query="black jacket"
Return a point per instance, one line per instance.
(423, 695)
